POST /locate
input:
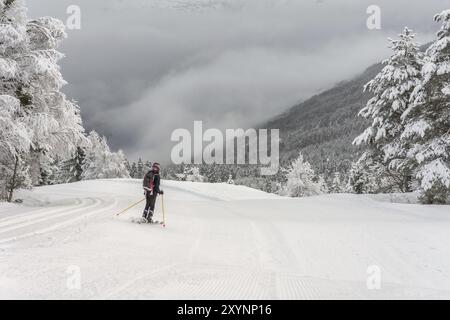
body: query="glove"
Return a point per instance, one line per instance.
(161, 192)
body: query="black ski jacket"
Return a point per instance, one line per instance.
(151, 179)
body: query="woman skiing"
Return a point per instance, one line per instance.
(151, 190)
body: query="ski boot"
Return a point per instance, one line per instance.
(150, 217)
(144, 217)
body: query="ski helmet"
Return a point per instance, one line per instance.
(156, 167)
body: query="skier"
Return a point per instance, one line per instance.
(151, 190)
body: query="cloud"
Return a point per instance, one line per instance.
(139, 71)
(237, 88)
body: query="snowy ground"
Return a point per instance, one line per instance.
(221, 242)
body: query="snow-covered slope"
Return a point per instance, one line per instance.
(221, 241)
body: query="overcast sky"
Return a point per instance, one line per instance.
(141, 68)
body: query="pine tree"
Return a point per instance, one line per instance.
(357, 180)
(336, 184)
(72, 169)
(368, 176)
(427, 120)
(147, 166)
(140, 169)
(47, 170)
(300, 179)
(392, 89)
(128, 166)
(80, 160)
(133, 172)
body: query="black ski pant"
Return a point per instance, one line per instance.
(150, 205)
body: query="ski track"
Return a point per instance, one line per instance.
(53, 226)
(85, 204)
(36, 213)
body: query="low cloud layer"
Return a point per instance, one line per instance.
(139, 71)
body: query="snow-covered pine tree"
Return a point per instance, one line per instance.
(391, 90)
(133, 171)
(368, 175)
(300, 179)
(322, 183)
(357, 180)
(48, 169)
(140, 169)
(427, 120)
(71, 170)
(147, 166)
(128, 166)
(101, 163)
(336, 184)
(193, 174)
(79, 161)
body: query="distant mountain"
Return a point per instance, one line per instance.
(324, 126)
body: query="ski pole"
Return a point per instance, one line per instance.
(164, 213)
(132, 206)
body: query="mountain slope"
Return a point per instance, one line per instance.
(324, 126)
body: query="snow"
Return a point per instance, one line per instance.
(221, 242)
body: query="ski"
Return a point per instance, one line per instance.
(143, 221)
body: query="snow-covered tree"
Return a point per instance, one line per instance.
(48, 168)
(427, 120)
(368, 175)
(71, 170)
(56, 120)
(363, 175)
(41, 127)
(15, 142)
(15, 135)
(30, 72)
(133, 171)
(322, 183)
(147, 166)
(301, 179)
(193, 174)
(101, 163)
(336, 184)
(140, 169)
(391, 90)
(128, 166)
